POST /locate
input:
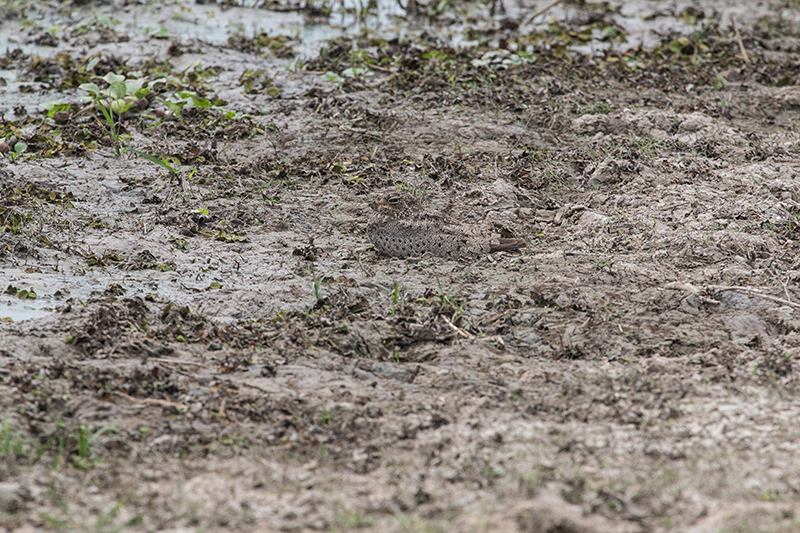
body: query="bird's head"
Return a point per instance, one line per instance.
(394, 204)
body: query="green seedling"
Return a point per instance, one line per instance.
(332, 77)
(17, 150)
(338, 167)
(186, 100)
(11, 443)
(296, 65)
(54, 106)
(317, 284)
(325, 417)
(448, 303)
(174, 172)
(86, 436)
(395, 294)
(116, 99)
(354, 72)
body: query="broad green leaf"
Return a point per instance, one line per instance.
(201, 103)
(332, 76)
(120, 106)
(353, 72)
(133, 86)
(49, 104)
(112, 78)
(118, 90)
(90, 88)
(55, 109)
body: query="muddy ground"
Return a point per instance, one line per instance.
(201, 338)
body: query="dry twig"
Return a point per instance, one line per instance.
(739, 40)
(461, 331)
(688, 287)
(754, 292)
(152, 401)
(173, 361)
(541, 11)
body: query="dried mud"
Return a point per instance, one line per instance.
(222, 349)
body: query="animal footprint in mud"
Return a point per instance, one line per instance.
(401, 227)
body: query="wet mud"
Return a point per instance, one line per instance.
(196, 333)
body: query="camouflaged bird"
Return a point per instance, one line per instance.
(401, 227)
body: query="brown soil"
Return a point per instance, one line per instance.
(221, 348)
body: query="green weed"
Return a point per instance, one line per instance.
(11, 444)
(317, 284)
(85, 436)
(116, 99)
(174, 172)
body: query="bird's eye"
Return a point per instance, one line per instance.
(394, 200)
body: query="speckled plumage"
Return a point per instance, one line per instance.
(401, 227)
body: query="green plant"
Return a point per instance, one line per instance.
(325, 417)
(85, 436)
(54, 106)
(448, 304)
(174, 172)
(345, 520)
(117, 98)
(59, 445)
(351, 72)
(254, 81)
(187, 100)
(17, 150)
(11, 443)
(317, 283)
(395, 294)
